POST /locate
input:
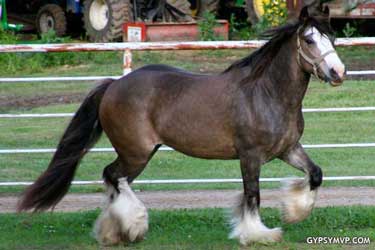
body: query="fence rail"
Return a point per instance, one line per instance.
(85, 47)
(96, 78)
(165, 148)
(307, 110)
(199, 181)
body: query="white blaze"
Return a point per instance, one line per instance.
(324, 45)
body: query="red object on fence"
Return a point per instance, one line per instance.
(189, 31)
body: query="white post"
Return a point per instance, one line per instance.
(127, 62)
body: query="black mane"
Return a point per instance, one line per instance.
(261, 58)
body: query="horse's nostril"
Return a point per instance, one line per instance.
(334, 74)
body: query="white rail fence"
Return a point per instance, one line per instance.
(164, 148)
(198, 181)
(97, 78)
(127, 47)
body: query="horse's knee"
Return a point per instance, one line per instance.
(316, 177)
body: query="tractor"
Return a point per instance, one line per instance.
(103, 19)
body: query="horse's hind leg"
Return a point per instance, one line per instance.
(300, 195)
(247, 224)
(124, 217)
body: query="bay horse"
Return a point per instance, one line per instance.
(252, 111)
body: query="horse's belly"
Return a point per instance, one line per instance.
(205, 150)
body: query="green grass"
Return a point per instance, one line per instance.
(320, 128)
(172, 165)
(184, 229)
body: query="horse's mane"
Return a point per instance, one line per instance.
(261, 58)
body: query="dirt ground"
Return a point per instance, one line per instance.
(39, 101)
(167, 200)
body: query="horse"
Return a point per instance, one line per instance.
(252, 111)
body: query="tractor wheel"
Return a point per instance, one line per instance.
(51, 17)
(254, 9)
(208, 5)
(103, 19)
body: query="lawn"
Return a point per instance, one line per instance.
(320, 128)
(185, 229)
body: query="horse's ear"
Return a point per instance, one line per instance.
(304, 14)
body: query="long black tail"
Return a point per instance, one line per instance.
(81, 134)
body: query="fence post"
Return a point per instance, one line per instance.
(127, 62)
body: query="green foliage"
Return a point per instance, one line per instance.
(239, 30)
(349, 30)
(275, 14)
(7, 37)
(51, 37)
(14, 63)
(206, 27)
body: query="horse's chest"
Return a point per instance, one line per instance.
(274, 138)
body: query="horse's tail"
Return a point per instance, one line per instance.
(81, 134)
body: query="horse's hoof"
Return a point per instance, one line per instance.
(265, 236)
(298, 201)
(106, 230)
(272, 235)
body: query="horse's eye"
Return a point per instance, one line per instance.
(309, 41)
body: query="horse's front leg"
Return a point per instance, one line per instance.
(246, 222)
(299, 195)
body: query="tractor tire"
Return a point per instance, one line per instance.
(208, 5)
(254, 10)
(51, 17)
(103, 19)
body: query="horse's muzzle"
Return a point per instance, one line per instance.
(336, 79)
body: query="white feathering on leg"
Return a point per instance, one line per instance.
(107, 229)
(131, 212)
(298, 200)
(247, 227)
(124, 217)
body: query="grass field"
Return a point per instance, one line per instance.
(320, 127)
(185, 229)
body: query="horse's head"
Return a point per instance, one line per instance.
(316, 52)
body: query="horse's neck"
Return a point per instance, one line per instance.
(286, 77)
